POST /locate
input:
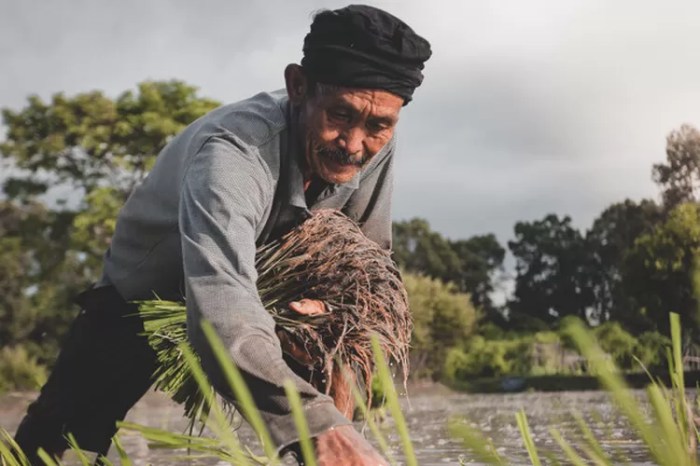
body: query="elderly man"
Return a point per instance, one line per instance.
(236, 178)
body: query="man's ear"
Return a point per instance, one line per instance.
(296, 82)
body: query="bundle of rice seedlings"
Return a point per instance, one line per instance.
(326, 258)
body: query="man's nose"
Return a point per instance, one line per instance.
(352, 141)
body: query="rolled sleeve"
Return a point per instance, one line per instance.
(226, 189)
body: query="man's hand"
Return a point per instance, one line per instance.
(344, 446)
(309, 307)
(341, 380)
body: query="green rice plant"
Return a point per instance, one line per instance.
(369, 420)
(668, 432)
(612, 381)
(205, 447)
(568, 450)
(592, 446)
(224, 446)
(10, 453)
(526, 435)
(123, 456)
(47, 459)
(239, 388)
(683, 410)
(218, 421)
(73, 444)
(480, 447)
(392, 401)
(307, 449)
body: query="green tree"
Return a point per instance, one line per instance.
(550, 267)
(442, 318)
(679, 177)
(658, 272)
(93, 227)
(419, 249)
(480, 258)
(618, 343)
(90, 140)
(488, 358)
(651, 349)
(469, 264)
(37, 278)
(15, 278)
(97, 149)
(609, 239)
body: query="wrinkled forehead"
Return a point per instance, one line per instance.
(375, 102)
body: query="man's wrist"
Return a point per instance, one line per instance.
(293, 449)
(321, 416)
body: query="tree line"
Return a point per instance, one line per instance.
(68, 165)
(633, 265)
(623, 275)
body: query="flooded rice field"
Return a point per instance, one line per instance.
(427, 413)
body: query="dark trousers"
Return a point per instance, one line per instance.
(103, 369)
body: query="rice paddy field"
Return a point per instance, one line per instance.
(426, 415)
(617, 426)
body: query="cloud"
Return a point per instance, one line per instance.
(527, 107)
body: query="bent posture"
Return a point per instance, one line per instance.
(238, 177)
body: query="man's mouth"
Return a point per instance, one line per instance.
(340, 157)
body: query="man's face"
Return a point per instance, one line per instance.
(345, 128)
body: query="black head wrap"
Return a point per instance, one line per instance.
(364, 47)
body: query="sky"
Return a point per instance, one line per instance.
(527, 108)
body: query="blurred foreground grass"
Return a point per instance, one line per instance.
(667, 428)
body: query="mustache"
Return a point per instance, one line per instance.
(341, 156)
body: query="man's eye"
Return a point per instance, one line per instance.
(376, 127)
(339, 115)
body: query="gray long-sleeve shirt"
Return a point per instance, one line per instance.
(230, 181)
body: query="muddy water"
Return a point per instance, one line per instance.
(427, 416)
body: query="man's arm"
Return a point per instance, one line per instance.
(225, 193)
